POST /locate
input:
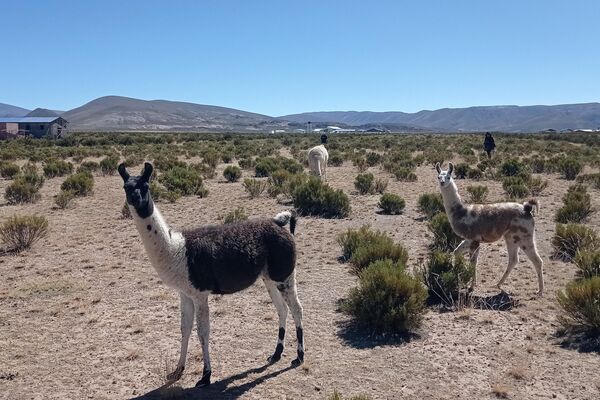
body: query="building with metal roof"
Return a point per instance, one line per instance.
(34, 126)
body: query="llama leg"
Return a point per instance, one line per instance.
(187, 321)
(203, 327)
(290, 295)
(474, 257)
(282, 312)
(319, 169)
(530, 250)
(513, 259)
(462, 247)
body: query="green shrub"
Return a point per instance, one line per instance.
(159, 193)
(56, 168)
(536, 185)
(20, 191)
(335, 159)
(363, 246)
(513, 167)
(80, 183)
(255, 187)
(577, 206)
(232, 173)
(364, 183)
(430, 204)
(267, 165)
(515, 187)
(317, 198)
(444, 237)
(588, 262)
(108, 165)
(133, 160)
(373, 159)
(387, 300)
(570, 168)
(391, 204)
(64, 199)
(89, 166)
(380, 185)
(361, 164)
(338, 396)
(581, 306)
(21, 232)
(571, 238)
(477, 193)
(237, 215)
(246, 163)
(9, 170)
(446, 278)
(474, 174)
(405, 174)
(183, 181)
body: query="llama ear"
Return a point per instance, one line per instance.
(148, 168)
(437, 167)
(123, 172)
(450, 168)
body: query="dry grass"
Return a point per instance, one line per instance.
(501, 391)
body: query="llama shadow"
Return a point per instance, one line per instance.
(579, 341)
(359, 338)
(497, 302)
(217, 390)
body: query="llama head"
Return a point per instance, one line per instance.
(444, 177)
(137, 189)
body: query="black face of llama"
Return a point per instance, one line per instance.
(487, 223)
(137, 190)
(221, 259)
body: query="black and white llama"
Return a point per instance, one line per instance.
(220, 259)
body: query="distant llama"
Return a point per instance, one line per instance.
(317, 159)
(220, 259)
(487, 223)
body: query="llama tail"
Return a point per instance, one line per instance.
(284, 217)
(530, 205)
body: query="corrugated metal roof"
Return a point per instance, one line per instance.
(29, 120)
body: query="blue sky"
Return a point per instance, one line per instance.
(281, 57)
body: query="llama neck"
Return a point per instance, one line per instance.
(165, 247)
(451, 197)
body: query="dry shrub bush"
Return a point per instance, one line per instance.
(80, 184)
(9, 170)
(126, 211)
(56, 168)
(183, 181)
(338, 396)
(364, 246)
(477, 193)
(364, 183)
(571, 238)
(577, 205)
(159, 193)
(232, 173)
(391, 204)
(387, 299)
(236, 215)
(430, 204)
(447, 277)
(570, 167)
(580, 303)
(444, 237)
(108, 165)
(319, 199)
(405, 174)
(64, 199)
(588, 262)
(255, 187)
(89, 166)
(21, 232)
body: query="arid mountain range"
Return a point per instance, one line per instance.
(116, 113)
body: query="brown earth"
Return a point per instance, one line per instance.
(84, 315)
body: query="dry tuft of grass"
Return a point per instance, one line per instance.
(501, 391)
(517, 372)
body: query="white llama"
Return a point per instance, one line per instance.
(317, 159)
(220, 259)
(487, 223)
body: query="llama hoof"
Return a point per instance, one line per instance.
(274, 358)
(205, 381)
(539, 294)
(297, 362)
(175, 375)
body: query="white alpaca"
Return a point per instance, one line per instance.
(488, 223)
(219, 259)
(317, 159)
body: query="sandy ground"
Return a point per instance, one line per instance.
(84, 315)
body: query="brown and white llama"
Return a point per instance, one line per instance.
(487, 223)
(318, 158)
(220, 259)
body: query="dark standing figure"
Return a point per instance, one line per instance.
(488, 144)
(323, 139)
